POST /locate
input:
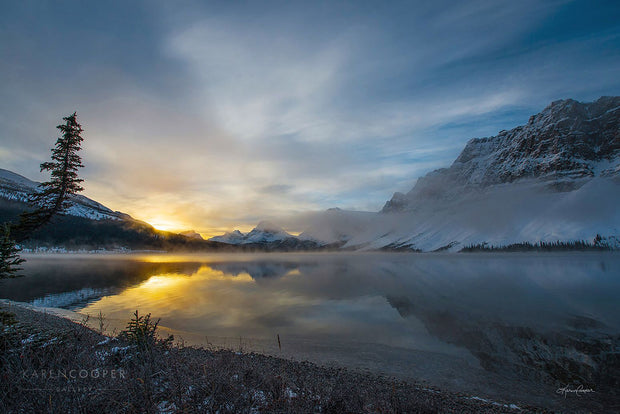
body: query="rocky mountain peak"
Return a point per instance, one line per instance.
(567, 140)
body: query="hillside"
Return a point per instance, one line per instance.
(89, 225)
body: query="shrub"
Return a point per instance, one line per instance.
(141, 331)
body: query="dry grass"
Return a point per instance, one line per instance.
(173, 378)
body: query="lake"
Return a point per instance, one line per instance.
(513, 327)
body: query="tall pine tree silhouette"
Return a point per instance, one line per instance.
(53, 195)
(51, 198)
(63, 168)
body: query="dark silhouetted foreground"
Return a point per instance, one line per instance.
(50, 364)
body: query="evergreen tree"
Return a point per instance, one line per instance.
(53, 195)
(9, 254)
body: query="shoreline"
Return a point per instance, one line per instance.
(524, 247)
(303, 382)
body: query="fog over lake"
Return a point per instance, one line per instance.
(499, 325)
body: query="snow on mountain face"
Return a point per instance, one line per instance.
(15, 187)
(18, 188)
(233, 237)
(264, 232)
(566, 144)
(555, 179)
(499, 215)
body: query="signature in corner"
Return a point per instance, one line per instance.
(577, 391)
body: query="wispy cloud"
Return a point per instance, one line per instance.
(219, 115)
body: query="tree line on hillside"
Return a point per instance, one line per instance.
(51, 198)
(577, 245)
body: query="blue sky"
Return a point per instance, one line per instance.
(215, 115)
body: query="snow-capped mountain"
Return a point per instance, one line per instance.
(268, 236)
(18, 188)
(264, 232)
(233, 237)
(556, 179)
(565, 145)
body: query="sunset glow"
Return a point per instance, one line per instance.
(164, 224)
(215, 118)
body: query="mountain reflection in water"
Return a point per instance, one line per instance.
(484, 323)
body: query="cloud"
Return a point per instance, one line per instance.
(257, 83)
(278, 189)
(219, 116)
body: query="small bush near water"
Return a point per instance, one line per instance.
(141, 331)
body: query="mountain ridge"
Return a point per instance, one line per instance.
(566, 140)
(269, 236)
(16, 187)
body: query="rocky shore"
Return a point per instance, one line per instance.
(52, 364)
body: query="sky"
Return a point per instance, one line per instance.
(215, 115)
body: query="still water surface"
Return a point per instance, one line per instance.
(507, 326)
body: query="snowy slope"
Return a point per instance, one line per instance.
(500, 215)
(15, 187)
(233, 237)
(264, 232)
(566, 142)
(555, 179)
(18, 188)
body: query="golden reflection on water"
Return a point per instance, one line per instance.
(207, 298)
(164, 258)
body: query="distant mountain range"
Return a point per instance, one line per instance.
(552, 183)
(267, 234)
